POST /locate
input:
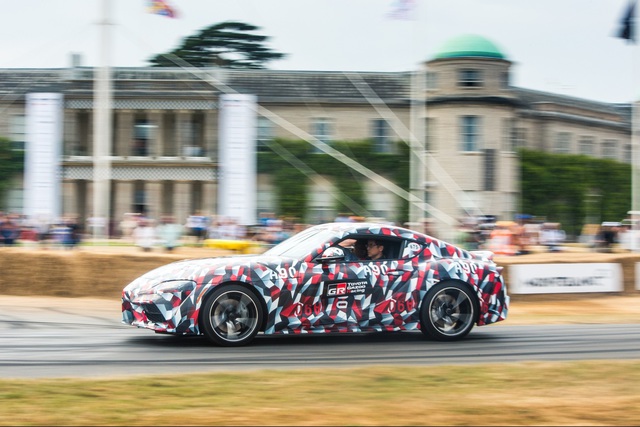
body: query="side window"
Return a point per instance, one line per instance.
(469, 133)
(357, 246)
(411, 249)
(391, 248)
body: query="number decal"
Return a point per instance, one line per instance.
(401, 305)
(376, 270)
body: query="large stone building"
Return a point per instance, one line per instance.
(461, 104)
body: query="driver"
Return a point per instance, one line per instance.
(355, 250)
(375, 249)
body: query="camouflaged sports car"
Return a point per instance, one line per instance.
(339, 277)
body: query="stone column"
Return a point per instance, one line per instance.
(89, 207)
(124, 199)
(210, 142)
(153, 193)
(209, 198)
(69, 198)
(181, 201)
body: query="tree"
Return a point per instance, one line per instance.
(227, 45)
(292, 185)
(569, 188)
(11, 165)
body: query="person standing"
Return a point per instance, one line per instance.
(144, 235)
(169, 233)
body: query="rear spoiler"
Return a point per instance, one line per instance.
(482, 255)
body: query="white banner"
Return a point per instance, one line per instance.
(564, 278)
(42, 175)
(237, 148)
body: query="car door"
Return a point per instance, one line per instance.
(346, 290)
(367, 293)
(393, 287)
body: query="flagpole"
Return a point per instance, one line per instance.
(417, 163)
(102, 130)
(628, 32)
(416, 159)
(635, 158)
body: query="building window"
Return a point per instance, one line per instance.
(139, 198)
(610, 149)
(504, 80)
(429, 134)
(169, 133)
(197, 194)
(380, 136)
(168, 190)
(142, 134)
(432, 80)
(519, 138)
(193, 132)
(586, 146)
(563, 143)
(264, 133)
(17, 132)
(82, 147)
(470, 133)
(469, 78)
(507, 134)
(489, 170)
(321, 129)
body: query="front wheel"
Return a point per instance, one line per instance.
(448, 312)
(231, 316)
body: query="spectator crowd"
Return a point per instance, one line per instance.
(524, 235)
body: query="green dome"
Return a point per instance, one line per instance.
(469, 45)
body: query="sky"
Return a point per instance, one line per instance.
(561, 46)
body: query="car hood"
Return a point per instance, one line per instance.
(196, 269)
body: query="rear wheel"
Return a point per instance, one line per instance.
(448, 312)
(231, 316)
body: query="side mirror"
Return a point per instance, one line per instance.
(332, 254)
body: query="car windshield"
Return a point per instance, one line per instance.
(302, 244)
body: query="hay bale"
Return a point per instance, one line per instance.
(73, 273)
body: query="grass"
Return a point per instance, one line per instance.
(532, 393)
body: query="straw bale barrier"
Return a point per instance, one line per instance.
(73, 273)
(103, 273)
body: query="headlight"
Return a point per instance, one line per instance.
(172, 287)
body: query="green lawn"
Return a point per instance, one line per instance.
(563, 393)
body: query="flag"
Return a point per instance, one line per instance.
(402, 9)
(161, 7)
(627, 29)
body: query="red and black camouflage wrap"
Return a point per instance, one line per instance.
(303, 296)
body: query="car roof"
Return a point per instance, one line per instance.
(372, 228)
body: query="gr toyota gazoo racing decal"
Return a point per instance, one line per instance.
(344, 288)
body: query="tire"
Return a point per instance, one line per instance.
(448, 312)
(231, 316)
